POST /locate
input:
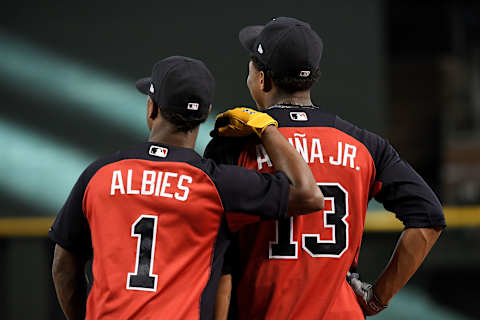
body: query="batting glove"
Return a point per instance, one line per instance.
(239, 122)
(366, 297)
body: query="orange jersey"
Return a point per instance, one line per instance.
(153, 218)
(295, 268)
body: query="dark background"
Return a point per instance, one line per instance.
(408, 70)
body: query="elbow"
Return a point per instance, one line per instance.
(308, 201)
(434, 233)
(424, 237)
(317, 200)
(437, 230)
(313, 198)
(322, 202)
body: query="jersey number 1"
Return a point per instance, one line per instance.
(285, 248)
(145, 229)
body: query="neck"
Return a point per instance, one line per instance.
(165, 133)
(300, 98)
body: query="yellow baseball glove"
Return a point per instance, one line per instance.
(239, 122)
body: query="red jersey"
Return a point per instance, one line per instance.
(152, 218)
(295, 268)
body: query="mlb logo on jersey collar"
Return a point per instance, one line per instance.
(158, 151)
(298, 116)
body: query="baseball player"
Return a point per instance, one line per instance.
(296, 268)
(152, 216)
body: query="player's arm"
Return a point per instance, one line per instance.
(403, 191)
(408, 195)
(224, 293)
(412, 248)
(304, 196)
(70, 283)
(71, 233)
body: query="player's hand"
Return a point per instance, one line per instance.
(366, 297)
(239, 122)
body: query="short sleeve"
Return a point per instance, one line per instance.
(403, 191)
(70, 229)
(247, 191)
(397, 185)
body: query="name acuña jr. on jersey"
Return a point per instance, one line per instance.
(154, 183)
(311, 150)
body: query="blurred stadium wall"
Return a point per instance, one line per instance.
(408, 70)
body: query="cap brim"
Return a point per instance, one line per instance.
(143, 85)
(248, 35)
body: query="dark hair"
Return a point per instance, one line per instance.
(288, 84)
(182, 123)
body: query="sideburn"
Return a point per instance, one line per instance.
(267, 83)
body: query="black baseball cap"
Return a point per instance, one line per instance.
(286, 46)
(180, 84)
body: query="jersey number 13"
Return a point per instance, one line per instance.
(335, 219)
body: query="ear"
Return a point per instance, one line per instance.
(152, 109)
(264, 81)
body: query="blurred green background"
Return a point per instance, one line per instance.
(408, 70)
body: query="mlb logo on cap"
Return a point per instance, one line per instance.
(193, 106)
(260, 49)
(158, 151)
(298, 116)
(304, 74)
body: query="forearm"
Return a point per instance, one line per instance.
(224, 292)
(278, 150)
(412, 248)
(295, 167)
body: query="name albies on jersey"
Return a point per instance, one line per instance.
(152, 218)
(295, 268)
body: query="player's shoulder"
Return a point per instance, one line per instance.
(368, 138)
(107, 159)
(379, 148)
(317, 117)
(97, 164)
(226, 150)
